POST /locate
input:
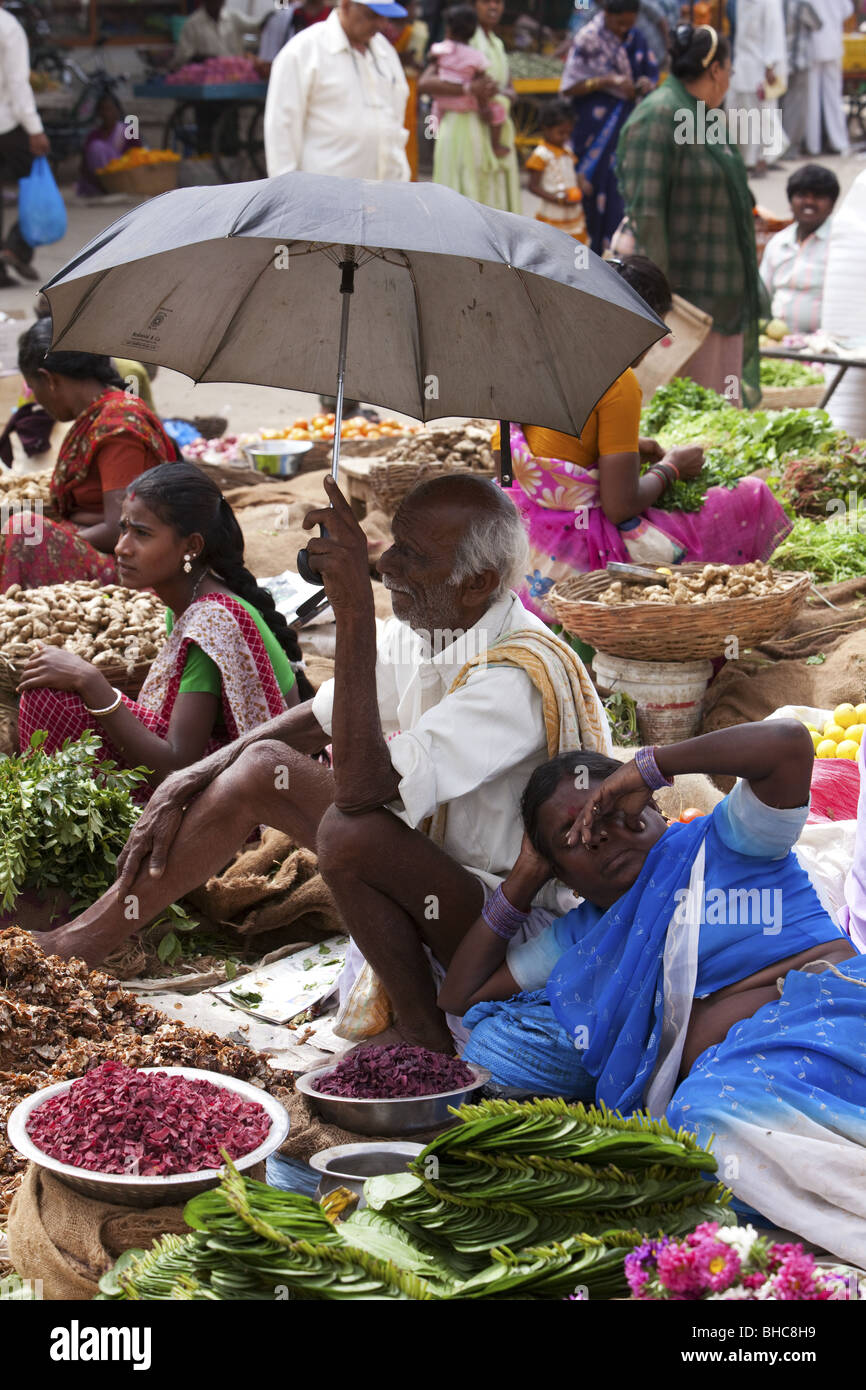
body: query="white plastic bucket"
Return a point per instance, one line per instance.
(669, 695)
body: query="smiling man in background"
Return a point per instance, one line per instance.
(795, 260)
(337, 98)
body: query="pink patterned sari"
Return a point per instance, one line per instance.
(569, 532)
(224, 630)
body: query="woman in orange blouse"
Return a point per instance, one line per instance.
(114, 438)
(585, 500)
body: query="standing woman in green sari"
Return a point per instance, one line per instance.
(687, 199)
(463, 156)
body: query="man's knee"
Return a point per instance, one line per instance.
(344, 844)
(265, 766)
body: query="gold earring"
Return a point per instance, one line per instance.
(187, 564)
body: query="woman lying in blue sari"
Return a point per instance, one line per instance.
(609, 66)
(700, 978)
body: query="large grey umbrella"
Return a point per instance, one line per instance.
(456, 309)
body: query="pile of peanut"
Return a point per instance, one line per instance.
(103, 623)
(715, 582)
(467, 444)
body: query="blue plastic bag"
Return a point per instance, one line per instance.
(41, 209)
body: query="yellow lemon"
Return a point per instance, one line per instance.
(816, 738)
(861, 714)
(813, 728)
(845, 714)
(834, 731)
(826, 749)
(847, 748)
(855, 731)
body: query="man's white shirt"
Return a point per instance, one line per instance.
(474, 749)
(17, 103)
(332, 109)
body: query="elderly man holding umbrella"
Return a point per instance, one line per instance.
(415, 735)
(437, 727)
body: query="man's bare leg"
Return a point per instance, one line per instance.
(397, 892)
(269, 784)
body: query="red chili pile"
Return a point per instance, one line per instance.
(389, 1073)
(146, 1124)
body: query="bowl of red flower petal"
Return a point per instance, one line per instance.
(390, 1091)
(146, 1136)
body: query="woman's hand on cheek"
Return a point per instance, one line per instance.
(624, 791)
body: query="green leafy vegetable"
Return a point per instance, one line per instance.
(736, 442)
(781, 371)
(65, 819)
(248, 997)
(830, 551)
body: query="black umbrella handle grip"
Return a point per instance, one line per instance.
(305, 567)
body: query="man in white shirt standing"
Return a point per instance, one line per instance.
(759, 75)
(22, 139)
(825, 114)
(337, 98)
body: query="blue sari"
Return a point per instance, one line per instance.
(599, 118)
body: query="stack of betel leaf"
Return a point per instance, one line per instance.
(532, 1199)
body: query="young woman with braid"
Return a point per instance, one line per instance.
(227, 664)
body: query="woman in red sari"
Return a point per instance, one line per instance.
(114, 438)
(227, 665)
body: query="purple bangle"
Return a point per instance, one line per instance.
(501, 917)
(645, 762)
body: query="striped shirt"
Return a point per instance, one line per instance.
(793, 272)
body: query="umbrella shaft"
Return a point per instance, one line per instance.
(347, 288)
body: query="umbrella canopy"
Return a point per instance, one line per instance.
(457, 309)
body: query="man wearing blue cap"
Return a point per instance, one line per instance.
(337, 98)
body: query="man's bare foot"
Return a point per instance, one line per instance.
(395, 1035)
(65, 942)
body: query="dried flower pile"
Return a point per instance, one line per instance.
(117, 1119)
(58, 1020)
(389, 1073)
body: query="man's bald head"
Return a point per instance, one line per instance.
(489, 531)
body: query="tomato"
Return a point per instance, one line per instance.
(301, 425)
(319, 422)
(691, 813)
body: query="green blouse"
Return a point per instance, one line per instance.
(201, 675)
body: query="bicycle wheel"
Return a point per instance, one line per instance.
(256, 143)
(229, 144)
(524, 114)
(181, 133)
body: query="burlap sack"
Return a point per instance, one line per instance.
(254, 898)
(69, 1241)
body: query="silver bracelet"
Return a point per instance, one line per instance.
(109, 709)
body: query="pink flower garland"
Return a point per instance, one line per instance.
(730, 1262)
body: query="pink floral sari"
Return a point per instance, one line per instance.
(224, 630)
(569, 532)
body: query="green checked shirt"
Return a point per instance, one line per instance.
(689, 203)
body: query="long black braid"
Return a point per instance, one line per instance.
(184, 497)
